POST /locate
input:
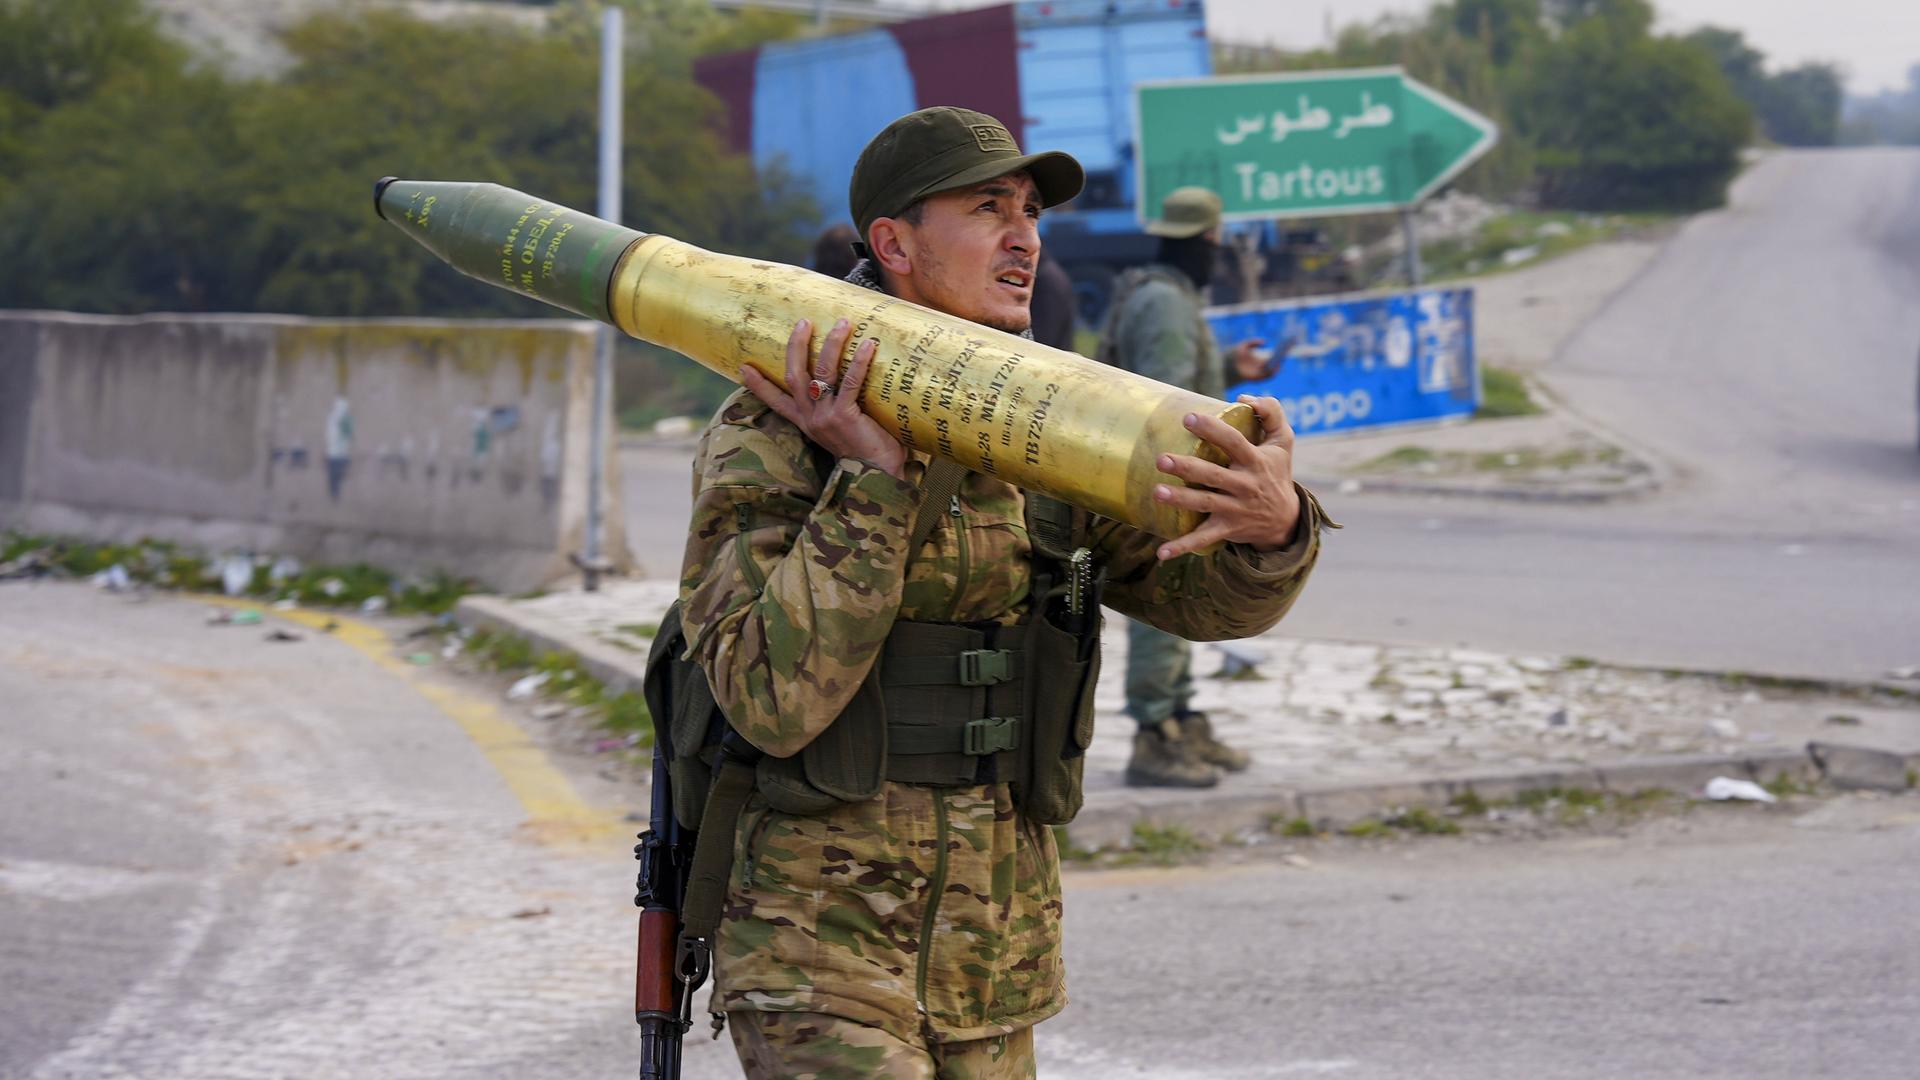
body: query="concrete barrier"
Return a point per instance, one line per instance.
(411, 444)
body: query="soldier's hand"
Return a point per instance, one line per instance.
(1251, 500)
(1252, 360)
(825, 401)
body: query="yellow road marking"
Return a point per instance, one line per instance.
(555, 811)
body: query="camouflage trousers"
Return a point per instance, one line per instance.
(1159, 674)
(814, 1046)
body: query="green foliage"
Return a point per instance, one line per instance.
(1469, 803)
(1163, 845)
(139, 183)
(1594, 109)
(1507, 28)
(651, 383)
(1423, 821)
(1503, 393)
(1796, 107)
(1070, 851)
(168, 565)
(568, 680)
(1625, 120)
(56, 51)
(1298, 828)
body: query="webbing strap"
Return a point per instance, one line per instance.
(974, 667)
(938, 489)
(713, 848)
(975, 738)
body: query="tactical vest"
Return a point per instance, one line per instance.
(1208, 375)
(946, 705)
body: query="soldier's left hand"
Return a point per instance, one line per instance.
(1251, 500)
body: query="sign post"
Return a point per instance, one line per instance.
(1303, 144)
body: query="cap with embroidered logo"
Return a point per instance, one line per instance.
(946, 148)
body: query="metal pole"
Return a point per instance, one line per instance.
(593, 561)
(1413, 246)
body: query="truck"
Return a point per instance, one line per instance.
(1059, 73)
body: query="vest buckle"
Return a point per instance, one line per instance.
(992, 735)
(985, 667)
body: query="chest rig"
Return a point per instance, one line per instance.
(946, 705)
(955, 704)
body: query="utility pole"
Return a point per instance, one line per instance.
(593, 561)
(1413, 246)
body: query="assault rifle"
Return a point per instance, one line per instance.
(664, 980)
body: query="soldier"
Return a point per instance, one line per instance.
(1155, 327)
(833, 250)
(894, 905)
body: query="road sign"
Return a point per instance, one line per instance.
(1357, 362)
(1305, 144)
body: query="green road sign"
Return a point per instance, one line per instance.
(1305, 144)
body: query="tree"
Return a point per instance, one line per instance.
(53, 52)
(1623, 120)
(56, 51)
(164, 188)
(1506, 27)
(1802, 106)
(1797, 107)
(116, 200)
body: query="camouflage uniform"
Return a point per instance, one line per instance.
(1155, 328)
(930, 915)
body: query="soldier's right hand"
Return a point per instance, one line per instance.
(824, 402)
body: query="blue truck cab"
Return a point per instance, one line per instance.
(1059, 73)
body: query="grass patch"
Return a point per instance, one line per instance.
(1423, 821)
(638, 629)
(1367, 829)
(1070, 851)
(1402, 457)
(1162, 845)
(568, 680)
(1578, 663)
(1295, 827)
(1783, 786)
(1503, 393)
(1537, 234)
(1469, 803)
(164, 564)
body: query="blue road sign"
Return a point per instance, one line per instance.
(1371, 361)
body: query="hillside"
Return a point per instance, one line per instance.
(243, 35)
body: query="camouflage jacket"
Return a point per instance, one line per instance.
(1155, 327)
(928, 912)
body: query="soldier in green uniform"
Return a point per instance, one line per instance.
(1155, 327)
(894, 904)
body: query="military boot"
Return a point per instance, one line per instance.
(1164, 757)
(1199, 732)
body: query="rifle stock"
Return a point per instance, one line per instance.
(662, 1001)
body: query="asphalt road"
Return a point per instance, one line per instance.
(228, 857)
(225, 858)
(1733, 943)
(1767, 357)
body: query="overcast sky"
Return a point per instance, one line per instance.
(1874, 40)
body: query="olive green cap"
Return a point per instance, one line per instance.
(1187, 211)
(943, 149)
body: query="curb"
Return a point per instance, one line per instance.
(1110, 822)
(618, 669)
(1220, 816)
(1586, 494)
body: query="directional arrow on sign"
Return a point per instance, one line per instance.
(1305, 144)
